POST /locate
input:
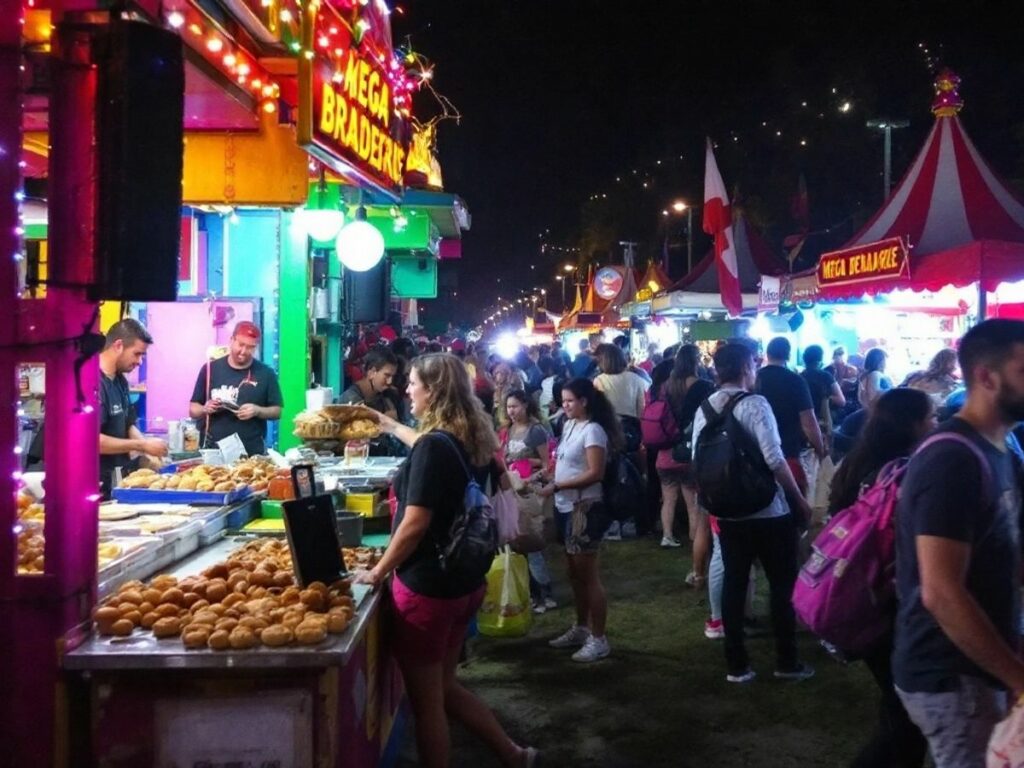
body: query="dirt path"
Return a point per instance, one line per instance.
(661, 699)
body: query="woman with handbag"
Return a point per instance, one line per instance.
(684, 391)
(581, 517)
(524, 447)
(432, 608)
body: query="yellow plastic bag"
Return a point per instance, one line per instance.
(506, 608)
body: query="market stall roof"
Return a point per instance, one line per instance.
(449, 212)
(753, 257)
(655, 279)
(963, 223)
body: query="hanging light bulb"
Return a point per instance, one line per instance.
(323, 222)
(360, 245)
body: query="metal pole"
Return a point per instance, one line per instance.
(562, 281)
(982, 302)
(887, 180)
(689, 238)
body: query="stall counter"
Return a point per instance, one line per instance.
(152, 702)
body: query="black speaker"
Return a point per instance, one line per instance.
(367, 295)
(139, 136)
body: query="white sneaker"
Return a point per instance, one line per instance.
(668, 542)
(595, 649)
(574, 637)
(549, 603)
(614, 533)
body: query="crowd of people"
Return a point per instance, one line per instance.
(945, 668)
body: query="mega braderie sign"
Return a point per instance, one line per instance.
(348, 116)
(883, 260)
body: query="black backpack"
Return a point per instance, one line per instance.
(733, 479)
(623, 487)
(472, 539)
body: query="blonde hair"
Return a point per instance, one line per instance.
(453, 407)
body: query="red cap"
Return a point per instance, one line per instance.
(458, 345)
(247, 329)
(388, 333)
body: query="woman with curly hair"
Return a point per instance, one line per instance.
(432, 608)
(592, 429)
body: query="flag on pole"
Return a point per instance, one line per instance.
(718, 224)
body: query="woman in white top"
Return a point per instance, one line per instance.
(581, 516)
(623, 388)
(873, 382)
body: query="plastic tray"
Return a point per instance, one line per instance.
(207, 498)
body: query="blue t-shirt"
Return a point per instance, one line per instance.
(944, 494)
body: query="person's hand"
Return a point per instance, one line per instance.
(211, 406)
(152, 446)
(546, 490)
(803, 514)
(372, 577)
(387, 424)
(248, 411)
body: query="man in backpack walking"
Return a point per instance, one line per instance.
(769, 535)
(958, 560)
(790, 398)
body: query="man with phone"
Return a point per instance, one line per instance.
(237, 394)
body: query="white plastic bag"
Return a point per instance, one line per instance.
(506, 511)
(1006, 745)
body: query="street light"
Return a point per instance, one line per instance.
(887, 126)
(569, 267)
(679, 206)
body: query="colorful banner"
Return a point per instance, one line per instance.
(881, 260)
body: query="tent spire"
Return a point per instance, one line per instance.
(947, 101)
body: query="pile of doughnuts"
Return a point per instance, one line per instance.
(250, 599)
(201, 478)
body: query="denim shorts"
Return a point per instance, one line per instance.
(581, 529)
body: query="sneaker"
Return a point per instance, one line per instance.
(743, 677)
(550, 604)
(538, 608)
(614, 533)
(670, 543)
(714, 629)
(574, 637)
(799, 672)
(595, 649)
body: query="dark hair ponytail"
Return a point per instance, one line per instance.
(599, 410)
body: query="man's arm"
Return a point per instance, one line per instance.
(836, 395)
(942, 564)
(812, 431)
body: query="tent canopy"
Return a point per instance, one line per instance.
(753, 257)
(963, 224)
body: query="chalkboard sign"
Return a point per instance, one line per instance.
(313, 539)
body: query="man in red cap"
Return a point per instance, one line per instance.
(237, 394)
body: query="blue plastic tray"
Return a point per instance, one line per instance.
(203, 498)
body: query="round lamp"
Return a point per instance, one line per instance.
(360, 245)
(323, 224)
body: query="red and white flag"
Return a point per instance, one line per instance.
(718, 224)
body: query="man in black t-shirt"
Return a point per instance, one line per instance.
(237, 394)
(958, 559)
(790, 400)
(125, 346)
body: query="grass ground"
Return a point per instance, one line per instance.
(661, 699)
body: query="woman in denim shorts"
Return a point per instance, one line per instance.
(591, 430)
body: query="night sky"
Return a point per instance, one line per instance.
(561, 99)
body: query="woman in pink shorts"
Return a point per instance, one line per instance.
(432, 609)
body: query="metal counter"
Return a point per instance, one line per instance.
(142, 651)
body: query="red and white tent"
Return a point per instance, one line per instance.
(962, 222)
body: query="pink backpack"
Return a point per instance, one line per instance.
(845, 590)
(658, 428)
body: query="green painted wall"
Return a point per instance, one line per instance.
(414, 277)
(293, 339)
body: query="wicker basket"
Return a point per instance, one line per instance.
(320, 431)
